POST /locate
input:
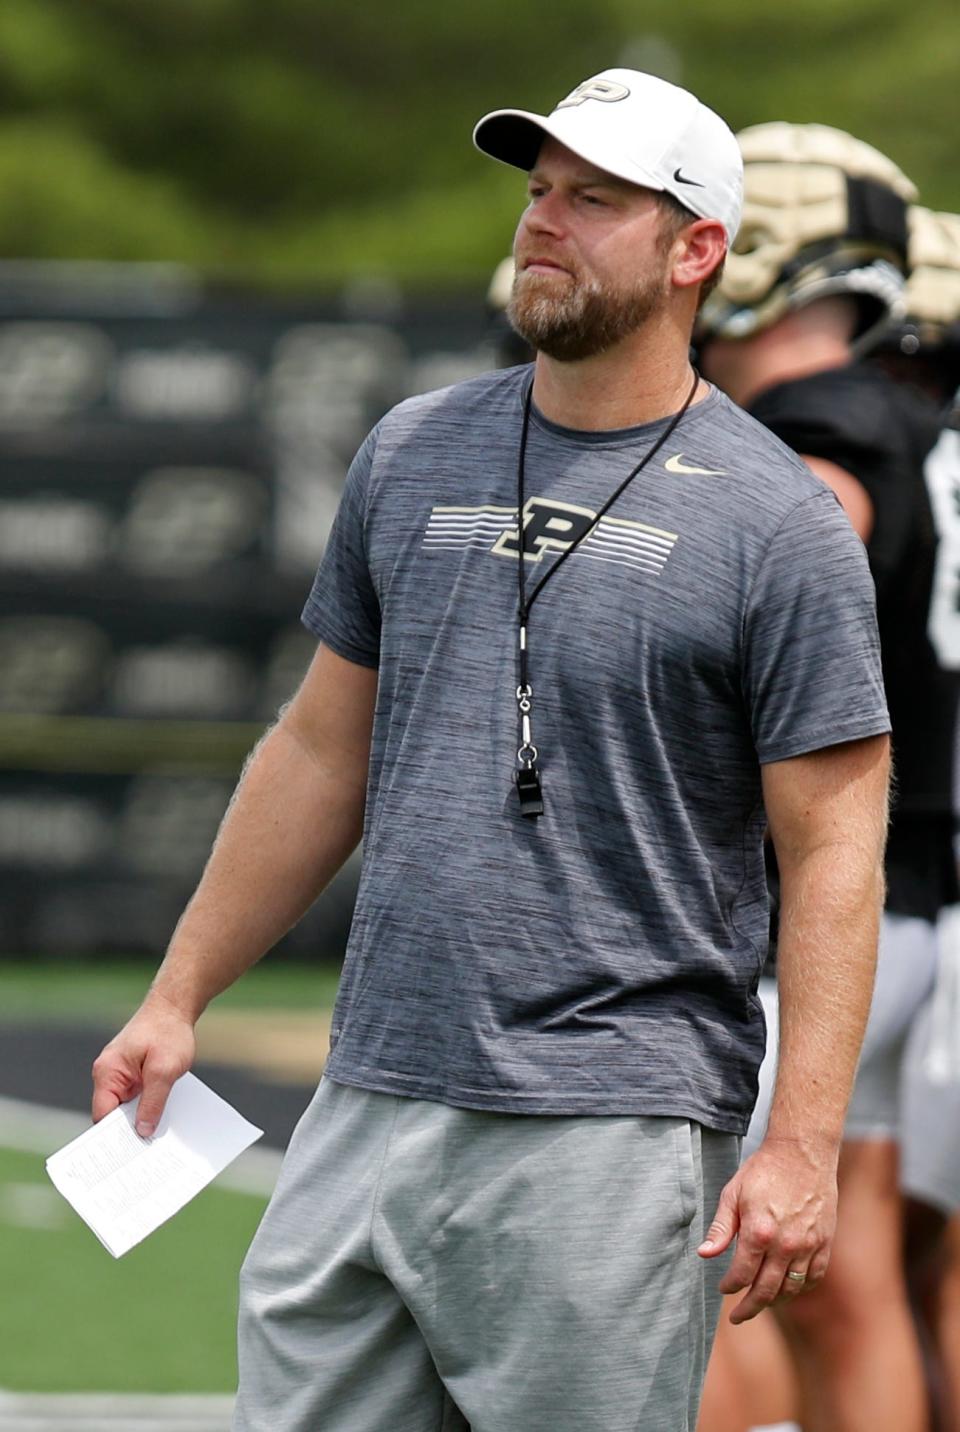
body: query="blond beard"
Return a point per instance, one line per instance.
(570, 320)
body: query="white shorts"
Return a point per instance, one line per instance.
(908, 1082)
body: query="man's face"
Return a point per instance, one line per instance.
(591, 263)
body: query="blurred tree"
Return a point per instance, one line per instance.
(304, 142)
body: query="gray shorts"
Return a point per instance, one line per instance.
(423, 1268)
(908, 1082)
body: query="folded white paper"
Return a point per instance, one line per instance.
(124, 1186)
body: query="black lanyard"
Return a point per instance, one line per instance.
(529, 787)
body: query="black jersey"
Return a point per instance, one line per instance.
(883, 435)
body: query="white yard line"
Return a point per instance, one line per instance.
(108, 1412)
(37, 1129)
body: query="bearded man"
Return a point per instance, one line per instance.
(585, 629)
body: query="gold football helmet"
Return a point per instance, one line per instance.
(823, 213)
(932, 297)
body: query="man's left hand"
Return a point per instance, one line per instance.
(781, 1206)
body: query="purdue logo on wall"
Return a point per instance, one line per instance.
(549, 526)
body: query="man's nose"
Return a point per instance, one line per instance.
(545, 214)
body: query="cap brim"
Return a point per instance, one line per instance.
(514, 136)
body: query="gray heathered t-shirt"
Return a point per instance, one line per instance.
(604, 958)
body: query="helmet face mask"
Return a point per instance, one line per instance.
(823, 214)
(873, 281)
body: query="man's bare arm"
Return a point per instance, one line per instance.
(296, 815)
(828, 816)
(854, 497)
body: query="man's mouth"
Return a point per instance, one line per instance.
(539, 263)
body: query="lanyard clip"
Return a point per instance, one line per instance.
(528, 777)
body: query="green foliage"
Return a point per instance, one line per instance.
(305, 143)
(63, 197)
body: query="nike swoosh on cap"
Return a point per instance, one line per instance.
(676, 464)
(682, 179)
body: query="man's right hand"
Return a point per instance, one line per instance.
(147, 1057)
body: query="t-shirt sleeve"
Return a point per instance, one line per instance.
(811, 656)
(342, 608)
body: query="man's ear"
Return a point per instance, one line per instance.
(699, 249)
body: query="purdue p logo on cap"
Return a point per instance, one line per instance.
(606, 90)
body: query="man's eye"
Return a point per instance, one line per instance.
(594, 199)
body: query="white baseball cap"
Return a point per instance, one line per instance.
(639, 128)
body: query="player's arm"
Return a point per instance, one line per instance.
(854, 497)
(296, 815)
(827, 813)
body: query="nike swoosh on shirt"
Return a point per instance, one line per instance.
(675, 464)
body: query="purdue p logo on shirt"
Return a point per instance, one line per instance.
(547, 526)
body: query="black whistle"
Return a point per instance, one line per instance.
(530, 791)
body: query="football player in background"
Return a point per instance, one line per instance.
(815, 276)
(922, 351)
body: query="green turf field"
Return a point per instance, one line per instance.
(162, 1318)
(74, 1319)
(111, 991)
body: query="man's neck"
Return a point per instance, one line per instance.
(813, 339)
(636, 382)
(794, 361)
